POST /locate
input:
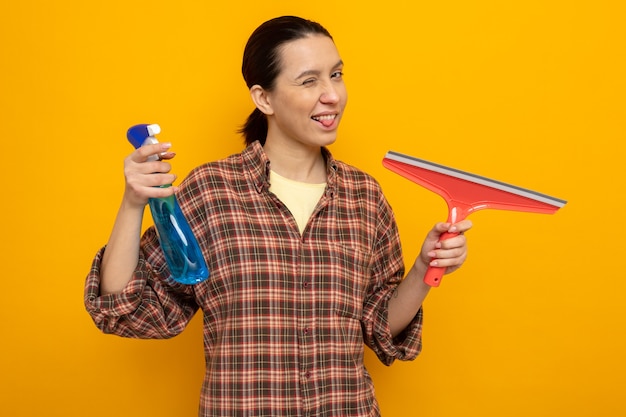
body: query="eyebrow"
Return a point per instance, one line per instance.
(316, 72)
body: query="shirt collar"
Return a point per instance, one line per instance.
(258, 165)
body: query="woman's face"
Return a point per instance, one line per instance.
(309, 95)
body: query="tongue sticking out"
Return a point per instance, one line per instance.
(327, 122)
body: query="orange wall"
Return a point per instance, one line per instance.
(527, 92)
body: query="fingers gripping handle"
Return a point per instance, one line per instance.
(434, 274)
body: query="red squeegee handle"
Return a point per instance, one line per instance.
(434, 274)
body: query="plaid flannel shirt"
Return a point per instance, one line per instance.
(286, 315)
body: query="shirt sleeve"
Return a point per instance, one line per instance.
(387, 273)
(149, 307)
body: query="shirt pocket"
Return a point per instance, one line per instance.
(350, 273)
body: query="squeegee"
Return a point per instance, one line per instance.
(466, 193)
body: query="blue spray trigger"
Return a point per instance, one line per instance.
(138, 134)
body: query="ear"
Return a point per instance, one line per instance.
(261, 99)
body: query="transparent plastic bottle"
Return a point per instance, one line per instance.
(180, 247)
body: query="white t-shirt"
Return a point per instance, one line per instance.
(299, 197)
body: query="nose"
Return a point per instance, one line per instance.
(330, 94)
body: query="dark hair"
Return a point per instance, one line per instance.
(261, 62)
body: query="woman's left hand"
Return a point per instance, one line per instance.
(449, 253)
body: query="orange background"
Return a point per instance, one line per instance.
(526, 92)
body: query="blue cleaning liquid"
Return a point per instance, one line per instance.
(180, 247)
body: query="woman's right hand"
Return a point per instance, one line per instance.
(144, 176)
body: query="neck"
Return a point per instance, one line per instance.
(303, 164)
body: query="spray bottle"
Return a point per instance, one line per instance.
(180, 247)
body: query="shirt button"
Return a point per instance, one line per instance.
(305, 285)
(306, 330)
(307, 374)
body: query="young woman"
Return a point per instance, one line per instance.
(304, 253)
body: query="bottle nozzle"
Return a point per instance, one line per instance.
(153, 129)
(138, 134)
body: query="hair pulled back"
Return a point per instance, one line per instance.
(261, 62)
